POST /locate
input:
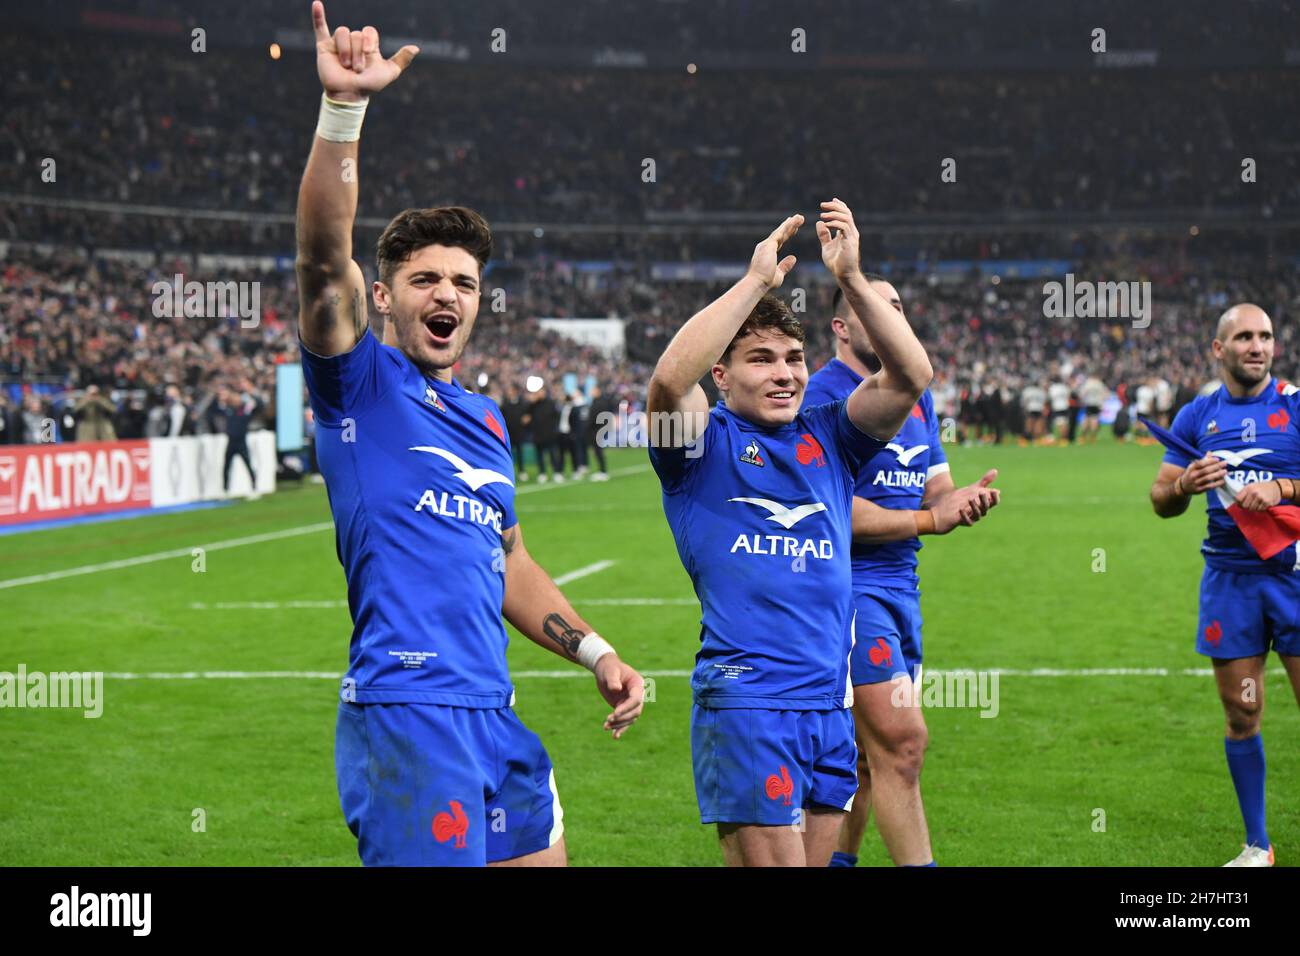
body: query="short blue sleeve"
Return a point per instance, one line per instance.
(346, 385)
(676, 466)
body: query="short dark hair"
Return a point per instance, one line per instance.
(770, 315)
(413, 229)
(839, 293)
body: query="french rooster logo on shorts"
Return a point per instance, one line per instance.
(1214, 633)
(778, 787)
(454, 825)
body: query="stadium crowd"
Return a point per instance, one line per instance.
(216, 139)
(81, 343)
(225, 130)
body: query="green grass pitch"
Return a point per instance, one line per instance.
(1018, 591)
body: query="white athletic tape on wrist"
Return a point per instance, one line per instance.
(340, 122)
(591, 649)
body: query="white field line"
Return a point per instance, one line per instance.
(532, 487)
(578, 672)
(240, 542)
(164, 555)
(583, 572)
(265, 605)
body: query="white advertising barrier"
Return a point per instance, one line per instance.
(604, 334)
(189, 468)
(68, 479)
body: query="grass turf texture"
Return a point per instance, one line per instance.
(1017, 591)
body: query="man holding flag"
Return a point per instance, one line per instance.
(1241, 444)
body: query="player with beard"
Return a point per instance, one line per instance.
(903, 491)
(1247, 429)
(758, 493)
(433, 765)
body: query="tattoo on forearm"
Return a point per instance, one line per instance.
(561, 632)
(509, 539)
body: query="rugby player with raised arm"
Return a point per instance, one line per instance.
(759, 496)
(904, 491)
(433, 765)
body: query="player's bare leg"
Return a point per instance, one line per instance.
(1292, 665)
(855, 824)
(553, 855)
(822, 826)
(1241, 691)
(753, 844)
(895, 739)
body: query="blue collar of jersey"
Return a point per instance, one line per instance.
(842, 368)
(745, 425)
(444, 388)
(1263, 396)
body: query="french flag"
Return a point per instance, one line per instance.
(1269, 532)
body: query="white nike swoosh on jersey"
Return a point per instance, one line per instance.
(476, 478)
(905, 456)
(786, 517)
(1236, 458)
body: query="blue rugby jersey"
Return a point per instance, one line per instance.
(1258, 438)
(894, 477)
(420, 482)
(762, 520)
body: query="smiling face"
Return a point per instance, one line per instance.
(432, 303)
(1243, 344)
(763, 377)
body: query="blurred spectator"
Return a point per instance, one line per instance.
(11, 429)
(514, 410)
(37, 425)
(232, 412)
(603, 412)
(545, 417)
